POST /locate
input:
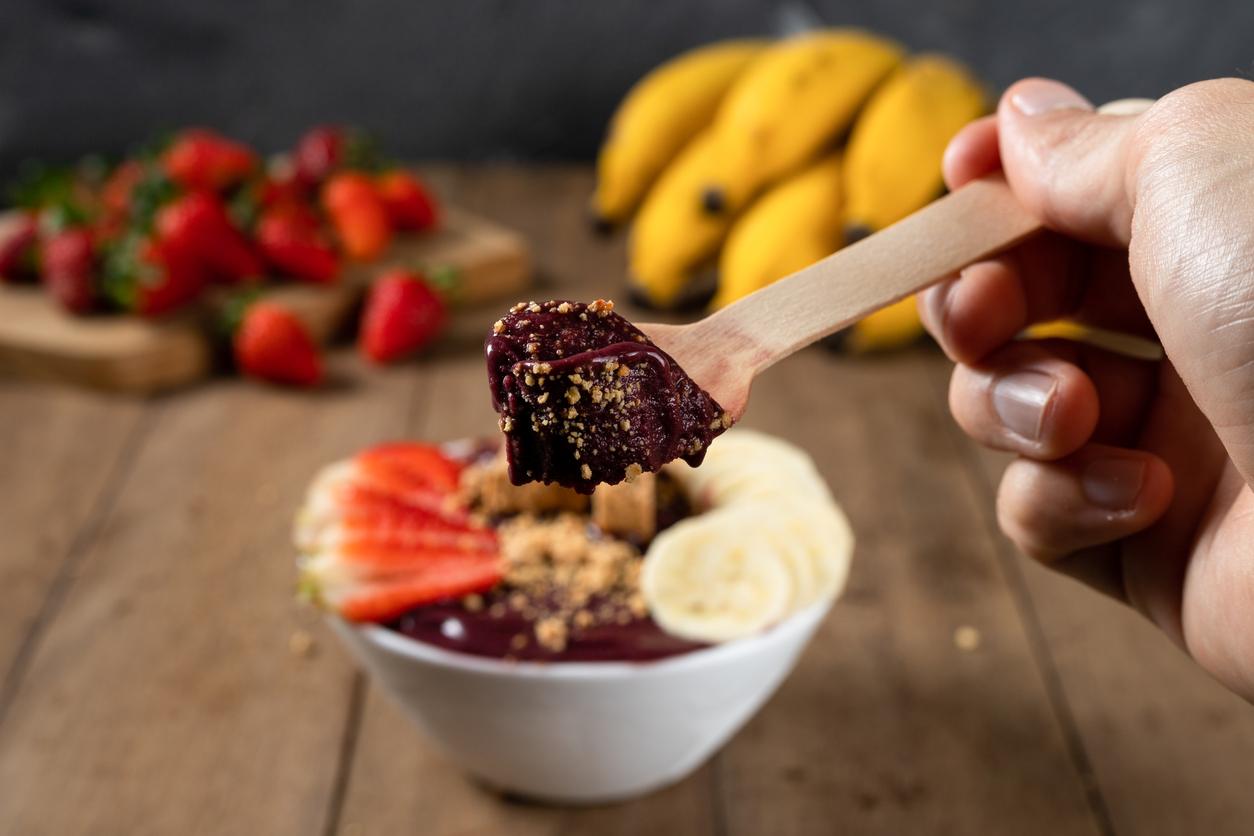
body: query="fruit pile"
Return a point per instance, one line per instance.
(158, 231)
(759, 158)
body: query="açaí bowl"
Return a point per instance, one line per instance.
(581, 732)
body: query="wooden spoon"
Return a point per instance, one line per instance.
(727, 349)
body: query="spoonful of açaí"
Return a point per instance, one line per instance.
(586, 397)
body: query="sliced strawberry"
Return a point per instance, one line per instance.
(403, 467)
(386, 599)
(398, 537)
(402, 315)
(409, 202)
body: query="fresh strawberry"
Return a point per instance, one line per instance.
(273, 191)
(272, 344)
(198, 223)
(409, 203)
(326, 149)
(115, 194)
(19, 247)
(402, 314)
(150, 276)
(202, 159)
(69, 269)
(358, 214)
(319, 153)
(291, 240)
(388, 535)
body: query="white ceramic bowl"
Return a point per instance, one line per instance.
(583, 732)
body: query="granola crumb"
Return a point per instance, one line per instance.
(301, 643)
(585, 471)
(498, 326)
(551, 633)
(473, 603)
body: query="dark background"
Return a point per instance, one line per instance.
(498, 79)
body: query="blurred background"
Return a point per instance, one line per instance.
(495, 79)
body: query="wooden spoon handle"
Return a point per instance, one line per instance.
(972, 223)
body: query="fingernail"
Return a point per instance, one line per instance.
(1113, 484)
(938, 305)
(1040, 96)
(1022, 401)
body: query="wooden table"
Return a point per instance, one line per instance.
(159, 678)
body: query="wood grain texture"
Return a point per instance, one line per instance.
(1169, 748)
(62, 451)
(164, 699)
(130, 354)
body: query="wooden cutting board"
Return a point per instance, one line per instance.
(125, 353)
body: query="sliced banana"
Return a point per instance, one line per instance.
(715, 577)
(768, 513)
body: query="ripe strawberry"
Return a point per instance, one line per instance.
(272, 344)
(198, 223)
(409, 203)
(69, 269)
(358, 214)
(202, 159)
(150, 276)
(385, 537)
(319, 153)
(19, 248)
(402, 314)
(115, 194)
(290, 239)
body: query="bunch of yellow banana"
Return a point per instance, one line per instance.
(738, 146)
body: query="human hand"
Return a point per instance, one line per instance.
(1132, 476)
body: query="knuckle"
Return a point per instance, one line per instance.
(1027, 522)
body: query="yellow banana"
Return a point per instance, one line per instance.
(660, 114)
(794, 224)
(893, 162)
(896, 326)
(893, 167)
(672, 237)
(794, 100)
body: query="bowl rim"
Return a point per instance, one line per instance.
(415, 650)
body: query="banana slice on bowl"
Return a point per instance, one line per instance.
(714, 578)
(771, 542)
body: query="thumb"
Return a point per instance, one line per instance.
(1067, 162)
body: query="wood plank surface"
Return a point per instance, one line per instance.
(1159, 734)
(162, 678)
(62, 451)
(164, 698)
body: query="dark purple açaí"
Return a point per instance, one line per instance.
(585, 397)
